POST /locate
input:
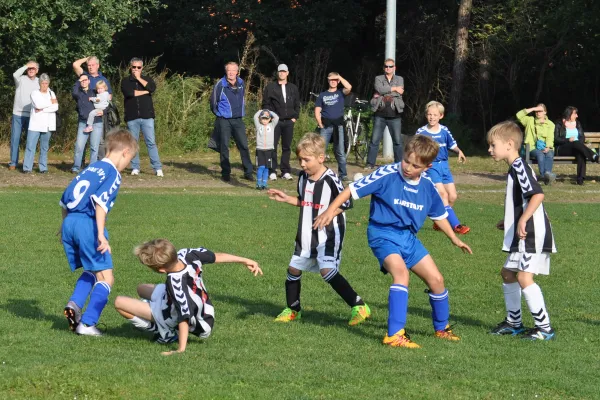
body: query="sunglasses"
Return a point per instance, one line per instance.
(135, 67)
(388, 66)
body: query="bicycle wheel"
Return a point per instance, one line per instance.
(361, 147)
(347, 138)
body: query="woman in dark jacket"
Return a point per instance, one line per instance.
(569, 140)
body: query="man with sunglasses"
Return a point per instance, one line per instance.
(387, 105)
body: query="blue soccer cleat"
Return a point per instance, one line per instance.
(505, 328)
(538, 334)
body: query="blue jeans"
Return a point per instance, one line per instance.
(338, 147)
(32, 141)
(147, 127)
(545, 161)
(82, 138)
(395, 127)
(18, 124)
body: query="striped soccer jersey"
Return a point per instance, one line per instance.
(315, 197)
(520, 186)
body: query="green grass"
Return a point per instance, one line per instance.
(250, 357)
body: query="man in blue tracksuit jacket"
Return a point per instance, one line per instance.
(227, 103)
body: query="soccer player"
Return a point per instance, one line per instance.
(401, 199)
(85, 204)
(315, 250)
(439, 173)
(528, 237)
(181, 303)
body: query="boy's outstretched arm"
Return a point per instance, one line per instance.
(184, 330)
(324, 219)
(103, 245)
(280, 196)
(445, 227)
(230, 258)
(532, 205)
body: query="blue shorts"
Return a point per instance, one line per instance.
(80, 241)
(386, 241)
(440, 173)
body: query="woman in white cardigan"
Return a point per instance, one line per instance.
(42, 122)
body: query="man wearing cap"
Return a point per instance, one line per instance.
(283, 98)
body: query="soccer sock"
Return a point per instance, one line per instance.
(98, 300)
(343, 288)
(398, 307)
(142, 323)
(535, 301)
(83, 287)
(452, 218)
(292, 291)
(512, 299)
(259, 175)
(440, 310)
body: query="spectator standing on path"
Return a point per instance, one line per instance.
(25, 85)
(329, 113)
(387, 106)
(139, 113)
(228, 104)
(283, 98)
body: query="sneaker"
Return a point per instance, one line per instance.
(447, 334)
(159, 173)
(462, 229)
(226, 178)
(504, 328)
(346, 179)
(369, 167)
(538, 334)
(549, 178)
(249, 177)
(12, 168)
(259, 186)
(288, 315)
(359, 314)
(73, 314)
(85, 330)
(287, 176)
(273, 176)
(74, 171)
(436, 227)
(135, 171)
(400, 339)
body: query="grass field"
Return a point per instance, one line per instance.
(250, 357)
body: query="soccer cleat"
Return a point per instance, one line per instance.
(436, 227)
(400, 339)
(287, 176)
(85, 330)
(538, 333)
(462, 229)
(288, 315)
(159, 173)
(135, 171)
(73, 314)
(273, 176)
(447, 334)
(359, 314)
(504, 328)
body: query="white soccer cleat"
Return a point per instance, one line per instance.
(135, 172)
(83, 329)
(273, 176)
(159, 173)
(288, 177)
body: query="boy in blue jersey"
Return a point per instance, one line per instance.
(401, 199)
(85, 203)
(439, 173)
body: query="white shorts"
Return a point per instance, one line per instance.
(536, 263)
(158, 303)
(314, 264)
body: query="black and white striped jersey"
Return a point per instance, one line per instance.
(315, 197)
(187, 298)
(520, 186)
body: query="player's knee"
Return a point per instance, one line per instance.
(444, 196)
(436, 283)
(294, 271)
(452, 198)
(508, 276)
(119, 302)
(525, 280)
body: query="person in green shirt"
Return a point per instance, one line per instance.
(539, 134)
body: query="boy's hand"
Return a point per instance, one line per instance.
(461, 157)
(103, 245)
(461, 245)
(278, 195)
(253, 267)
(500, 225)
(521, 228)
(323, 220)
(169, 353)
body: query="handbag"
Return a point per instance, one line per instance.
(540, 144)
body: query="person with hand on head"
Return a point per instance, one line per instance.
(539, 135)
(265, 122)
(81, 93)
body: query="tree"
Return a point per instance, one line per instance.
(461, 54)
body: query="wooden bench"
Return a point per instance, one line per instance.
(592, 140)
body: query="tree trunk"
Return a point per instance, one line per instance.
(460, 55)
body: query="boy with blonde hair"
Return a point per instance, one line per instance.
(100, 104)
(528, 237)
(317, 251)
(401, 198)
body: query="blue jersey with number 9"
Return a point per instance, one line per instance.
(97, 184)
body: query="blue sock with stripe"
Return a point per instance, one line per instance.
(98, 300)
(452, 218)
(440, 310)
(398, 307)
(83, 287)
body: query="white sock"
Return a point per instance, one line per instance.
(140, 323)
(535, 301)
(512, 300)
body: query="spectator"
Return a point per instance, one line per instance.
(81, 94)
(539, 135)
(228, 104)
(139, 113)
(570, 141)
(25, 85)
(387, 105)
(42, 123)
(265, 122)
(283, 98)
(329, 113)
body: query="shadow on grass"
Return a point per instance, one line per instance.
(203, 170)
(30, 309)
(490, 175)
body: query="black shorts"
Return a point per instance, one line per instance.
(265, 158)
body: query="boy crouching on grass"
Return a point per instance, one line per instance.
(321, 250)
(401, 199)
(181, 303)
(528, 237)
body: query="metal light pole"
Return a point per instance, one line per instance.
(390, 52)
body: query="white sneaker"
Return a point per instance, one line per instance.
(273, 176)
(135, 172)
(288, 177)
(83, 329)
(159, 173)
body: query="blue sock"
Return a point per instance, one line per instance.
(452, 218)
(83, 287)
(265, 176)
(440, 310)
(259, 174)
(98, 300)
(398, 307)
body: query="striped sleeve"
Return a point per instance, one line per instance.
(372, 183)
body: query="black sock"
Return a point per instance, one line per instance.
(292, 292)
(343, 288)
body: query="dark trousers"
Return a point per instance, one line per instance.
(581, 152)
(228, 128)
(394, 125)
(285, 131)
